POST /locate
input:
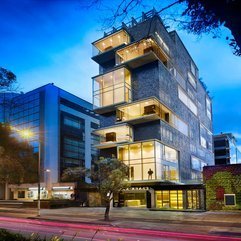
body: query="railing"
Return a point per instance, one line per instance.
(133, 22)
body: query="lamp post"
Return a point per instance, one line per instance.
(39, 175)
(27, 134)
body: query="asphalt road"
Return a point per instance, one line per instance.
(86, 232)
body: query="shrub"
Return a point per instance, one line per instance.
(8, 236)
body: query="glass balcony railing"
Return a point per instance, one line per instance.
(112, 41)
(147, 49)
(111, 89)
(149, 160)
(111, 136)
(149, 110)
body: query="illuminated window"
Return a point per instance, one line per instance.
(112, 88)
(169, 199)
(148, 110)
(110, 42)
(141, 48)
(146, 161)
(110, 136)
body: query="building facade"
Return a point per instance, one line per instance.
(155, 114)
(5, 105)
(225, 149)
(60, 126)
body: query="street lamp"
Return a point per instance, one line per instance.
(26, 134)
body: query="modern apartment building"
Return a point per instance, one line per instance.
(155, 114)
(225, 149)
(60, 126)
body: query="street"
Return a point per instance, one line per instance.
(70, 231)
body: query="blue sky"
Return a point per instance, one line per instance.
(50, 42)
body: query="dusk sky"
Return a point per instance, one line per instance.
(50, 42)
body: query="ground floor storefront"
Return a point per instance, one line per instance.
(166, 197)
(30, 191)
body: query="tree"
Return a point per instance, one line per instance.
(108, 175)
(18, 163)
(196, 16)
(73, 174)
(7, 79)
(7, 84)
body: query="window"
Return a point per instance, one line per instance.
(73, 122)
(208, 108)
(111, 88)
(94, 125)
(229, 200)
(197, 164)
(166, 133)
(110, 42)
(192, 80)
(116, 134)
(205, 137)
(73, 148)
(162, 43)
(187, 101)
(181, 126)
(193, 69)
(21, 194)
(146, 161)
(170, 154)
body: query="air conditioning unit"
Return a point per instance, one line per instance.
(111, 136)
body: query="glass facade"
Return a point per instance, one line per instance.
(114, 40)
(139, 49)
(179, 199)
(25, 115)
(6, 104)
(135, 199)
(169, 199)
(112, 88)
(72, 141)
(109, 137)
(150, 160)
(147, 110)
(95, 140)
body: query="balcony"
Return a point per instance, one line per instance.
(139, 111)
(141, 53)
(149, 161)
(103, 48)
(143, 111)
(111, 136)
(149, 110)
(111, 89)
